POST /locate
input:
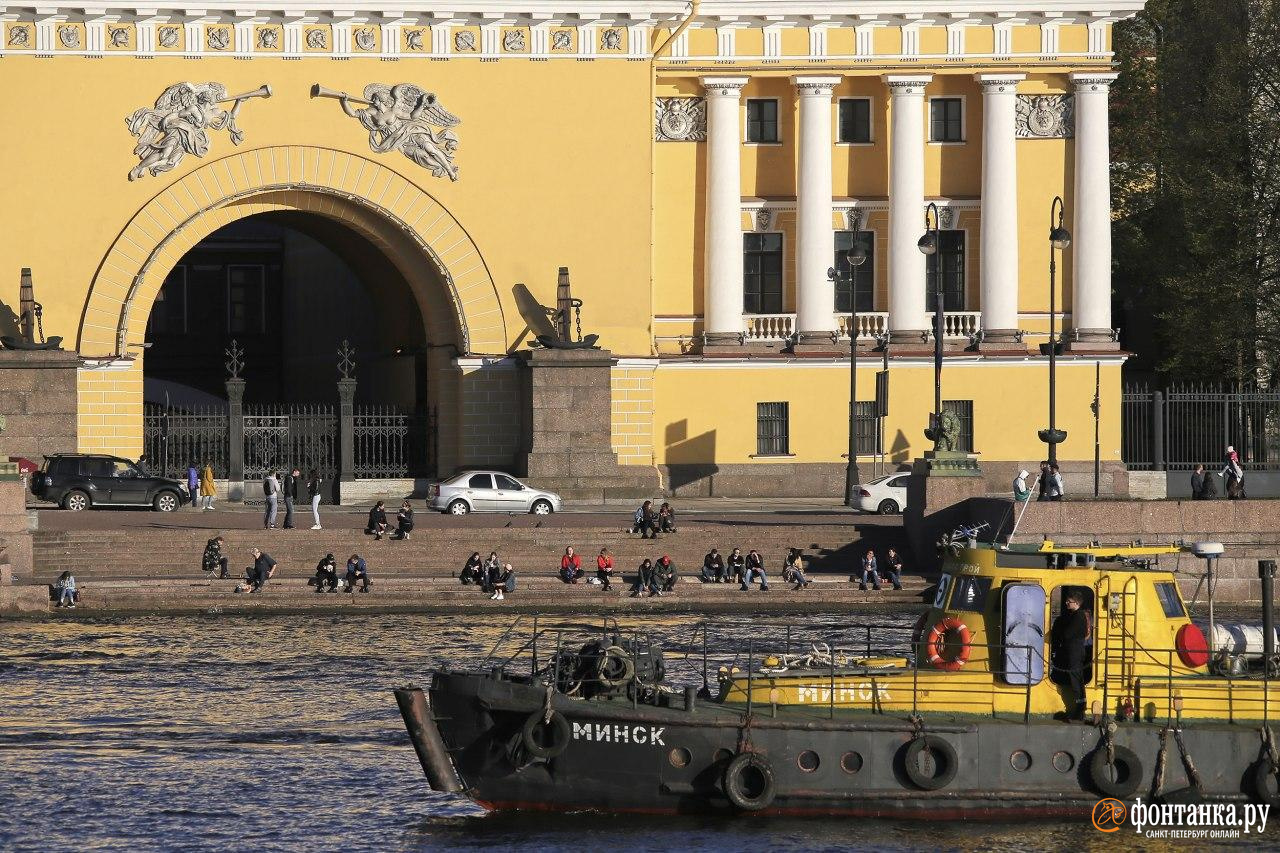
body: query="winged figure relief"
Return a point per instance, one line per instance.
(407, 119)
(180, 122)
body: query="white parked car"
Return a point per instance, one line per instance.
(887, 495)
(489, 491)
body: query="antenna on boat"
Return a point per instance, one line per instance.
(1209, 552)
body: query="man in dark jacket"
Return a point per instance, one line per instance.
(1067, 637)
(713, 567)
(263, 568)
(327, 574)
(377, 520)
(666, 573)
(736, 566)
(290, 495)
(214, 560)
(357, 570)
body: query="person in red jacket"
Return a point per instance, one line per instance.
(604, 568)
(570, 566)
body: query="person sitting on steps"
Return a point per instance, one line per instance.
(570, 566)
(666, 518)
(377, 520)
(214, 560)
(869, 569)
(65, 587)
(754, 566)
(473, 571)
(735, 568)
(604, 568)
(893, 568)
(665, 570)
(646, 579)
(404, 521)
(506, 582)
(793, 569)
(357, 570)
(261, 571)
(713, 567)
(327, 574)
(490, 573)
(646, 521)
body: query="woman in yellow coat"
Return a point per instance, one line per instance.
(207, 490)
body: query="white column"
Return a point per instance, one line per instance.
(722, 272)
(907, 321)
(1091, 211)
(815, 239)
(999, 251)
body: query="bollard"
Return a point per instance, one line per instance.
(1267, 574)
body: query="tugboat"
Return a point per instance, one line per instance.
(957, 722)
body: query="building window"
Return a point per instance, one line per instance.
(855, 121)
(762, 273)
(866, 272)
(246, 299)
(169, 312)
(951, 255)
(946, 120)
(963, 410)
(773, 429)
(762, 120)
(864, 434)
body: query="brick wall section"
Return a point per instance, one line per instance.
(110, 414)
(490, 414)
(39, 391)
(631, 403)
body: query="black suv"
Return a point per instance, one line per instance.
(79, 481)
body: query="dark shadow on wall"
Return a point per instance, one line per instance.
(9, 321)
(688, 459)
(900, 449)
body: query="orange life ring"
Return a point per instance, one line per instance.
(934, 641)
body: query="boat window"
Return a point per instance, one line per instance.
(970, 594)
(1168, 593)
(944, 585)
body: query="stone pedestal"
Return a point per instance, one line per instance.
(41, 401)
(570, 437)
(16, 559)
(950, 463)
(937, 501)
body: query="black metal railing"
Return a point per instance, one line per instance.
(1183, 426)
(175, 438)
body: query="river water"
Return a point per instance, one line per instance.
(248, 733)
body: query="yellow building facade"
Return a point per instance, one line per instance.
(697, 169)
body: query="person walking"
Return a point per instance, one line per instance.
(1056, 490)
(1233, 472)
(754, 566)
(604, 569)
(1067, 637)
(271, 490)
(193, 484)
(290, 495)
(314, 481)
(646, 579)
(404, 521)
(208, 491)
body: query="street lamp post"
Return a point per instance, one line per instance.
(929, 245)
(855, 258)
(1059, 240)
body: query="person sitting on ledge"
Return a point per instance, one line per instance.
(377, 520)
(570, 566)
(505, 583)
(893, 568)
(666, 518)
(404, 521)
(327, 574)
(604, 568)
(473, 571)
(490, 573)
(646, 522)
(869, 569)
(666, 573)
(735, 568)
(357, 570)
(65, 587)
(647, 579)
(754, 566)
(793, 569)
(214, 560)
(713, 567)
(262, 569)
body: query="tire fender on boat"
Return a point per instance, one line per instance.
(749, 782)
(1266, 786)
(944, 756)
(616, 667)
(935, 640)
(1121, 780)
(543, 739)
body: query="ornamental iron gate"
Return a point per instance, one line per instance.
(1185, 426)
(173, 439)
(279, 437)
(392, 444)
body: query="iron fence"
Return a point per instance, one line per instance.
(174, 438)
(1183, 426)
(278, 437)
(391, 443)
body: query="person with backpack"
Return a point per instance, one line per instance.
(270, 490)
(314, 482)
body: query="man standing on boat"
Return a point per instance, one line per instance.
(1068, 635)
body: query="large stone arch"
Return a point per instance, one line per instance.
(391, 211)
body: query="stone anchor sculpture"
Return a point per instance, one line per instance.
(567, 308)
(30, 323)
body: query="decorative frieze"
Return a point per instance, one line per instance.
(1045, 116)
(680, 120)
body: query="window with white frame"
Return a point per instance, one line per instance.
(946, 120)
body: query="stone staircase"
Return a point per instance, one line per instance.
(147, 569)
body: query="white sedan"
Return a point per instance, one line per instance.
(887, 495)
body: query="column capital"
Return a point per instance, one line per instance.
(724, 87)
(1093, 81)
(811, 85)
(995, 84)
(907, 84)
